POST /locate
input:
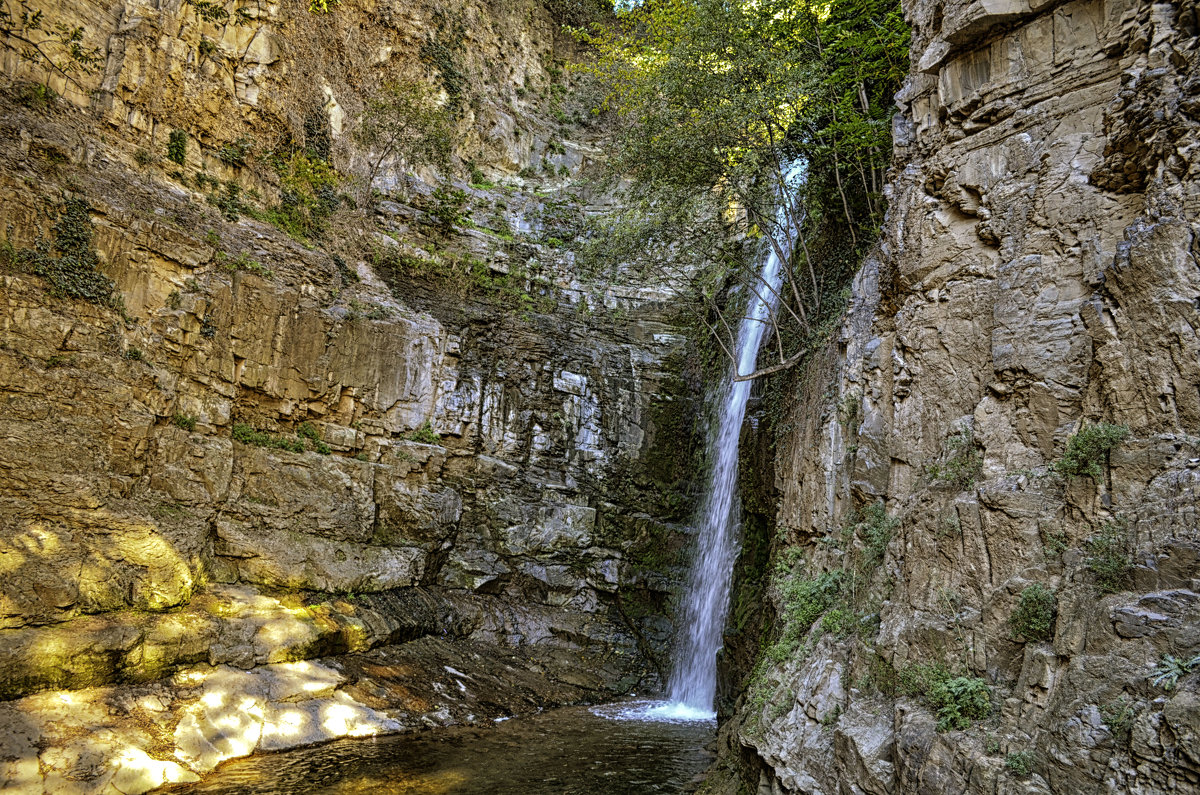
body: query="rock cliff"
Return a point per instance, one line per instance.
(259, 411)
(986, 556)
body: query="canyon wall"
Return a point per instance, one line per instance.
(413, 443)
(1037, 277)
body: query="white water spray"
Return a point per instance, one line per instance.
(694, 681)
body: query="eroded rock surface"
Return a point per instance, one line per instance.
(1038, 274)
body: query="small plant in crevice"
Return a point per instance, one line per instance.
(1054, 542)
(874, 527)
(961, 464)
(229, 201)
(143, 157)
(247, 434)
(1118, 716)
(243, 262)
(1019, 762)
(134, 354)
(1171, 669)
(308, 431)
(425, 435)
(307, 194)
(1087, 450)
(234, 154)
(1035, 614)
(184, 421)
(1110, 555)
(36, 96)
(177, 146)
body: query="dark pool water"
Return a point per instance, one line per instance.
(604, 750)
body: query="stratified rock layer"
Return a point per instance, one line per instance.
(1038, 274)
(273, 450)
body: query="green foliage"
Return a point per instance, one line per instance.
(405, 121)
(70, 265)
(1171, 669)
(1019, 762)
(519, 291)
(1118, 717)
(802, 602)
(235, 154)
(839, 621)
(960, 700)
(207, 47)
(447, 206)
(308, 431)
(184, 421)
(713, 97)
(347, 275)
(134, 354)
(444, 58)
(58, 47)
(961, 465)
(229, 202)
(957, 700)
(246, 434)
(143, 158)
(323, 6)
(1110, 556)
(1034, 617)
(1088, 449)
(308, 194)
(875, 528)
(243, 262)
(211, 12)
(425, 435)
(37, 96)
(177, 146)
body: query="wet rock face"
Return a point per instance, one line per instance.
(1038, 274)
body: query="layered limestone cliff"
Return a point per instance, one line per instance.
(1038, 275)
(416, 445)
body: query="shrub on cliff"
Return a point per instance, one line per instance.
(1088, 450)
(1034, 617)
(1110, 556)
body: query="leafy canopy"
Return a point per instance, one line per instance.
(714, 97)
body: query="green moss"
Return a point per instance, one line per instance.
(1034, 617)
(1088, 450)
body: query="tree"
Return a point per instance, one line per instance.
(56, 47)
(715, 98)
(405, 121)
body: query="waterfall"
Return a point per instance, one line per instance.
(694, 681)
